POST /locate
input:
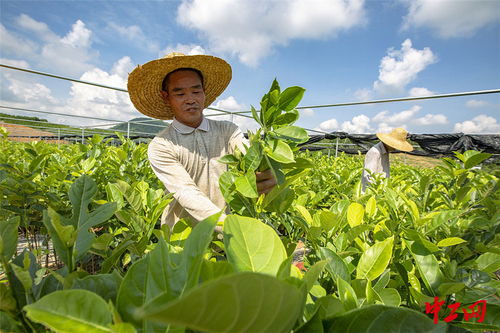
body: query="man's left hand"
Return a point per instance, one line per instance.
(265, 181)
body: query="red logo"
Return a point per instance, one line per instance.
(477, 310)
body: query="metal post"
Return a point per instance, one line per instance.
(83, 133)
(58, 138)
(337, 147)
(128, 129)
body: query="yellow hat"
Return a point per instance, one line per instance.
(145, 81)
(396, 139)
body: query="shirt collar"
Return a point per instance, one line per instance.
(382, 148)
(184, 129)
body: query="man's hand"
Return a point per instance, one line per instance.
(265, 181)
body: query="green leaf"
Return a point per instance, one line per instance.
(305, 214)
(292, 133)
(104, 285)
(146, 279)
(355, 214)
(252, 245)
(336, 266)
(7, 323)
(382, 281)
(327, 220)
(371, 207)
(451, 241)
(60, 246)
(280, 152)
(116, 254)
(71, 311)
(312, 274)
(246, 185)
(445, 217)
(347, 295)
(228, 159)
(371, 294)
(380, 318)
(449, 288)
(488, 262)
(8, 302)
(390, 296)
(427, 266)
(252, 158)
(8, 237)
(214, 269)
(23, 274)
(81, 193)
(188, 273)
(374, 261)
(473, 158)
(256, 116)
(290, 98)
(286, 118)
(244, 302)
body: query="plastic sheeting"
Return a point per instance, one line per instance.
(431, 144)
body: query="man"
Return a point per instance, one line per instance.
(185, 155)
(377, 158)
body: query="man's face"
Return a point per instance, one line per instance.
(186, 97)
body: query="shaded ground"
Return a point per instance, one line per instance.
(417, 161)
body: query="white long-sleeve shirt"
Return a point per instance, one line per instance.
(376, 161)
(185, 159)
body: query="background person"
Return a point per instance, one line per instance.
(185, 155)
(377, 158)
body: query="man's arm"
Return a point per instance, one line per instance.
(178, 181)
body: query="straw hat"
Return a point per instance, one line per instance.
(144, 82)
(396, 139)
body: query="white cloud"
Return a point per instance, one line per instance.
(188, 49)
(78, 37)
(418, 92)
(39, 28)
(23, 91)
(386, 128)
(134, 34)
(431, 119)
(307, 112)
(121, 68)
(11, 44)
(474, 104)
(251, 29)
(397, 119)
(400, 67)
(481, 124)
(358, 124)
(363, 95)
(31, 92)
(68, 55)
(100, 102)
(452, 18)
(15, 63)
(329, 125)
(230, 104)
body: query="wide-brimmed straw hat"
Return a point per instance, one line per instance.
(396, 139)
(145, 81)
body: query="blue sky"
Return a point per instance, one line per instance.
(339, 50)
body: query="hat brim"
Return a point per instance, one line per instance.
(394, 143)
(144, 82)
